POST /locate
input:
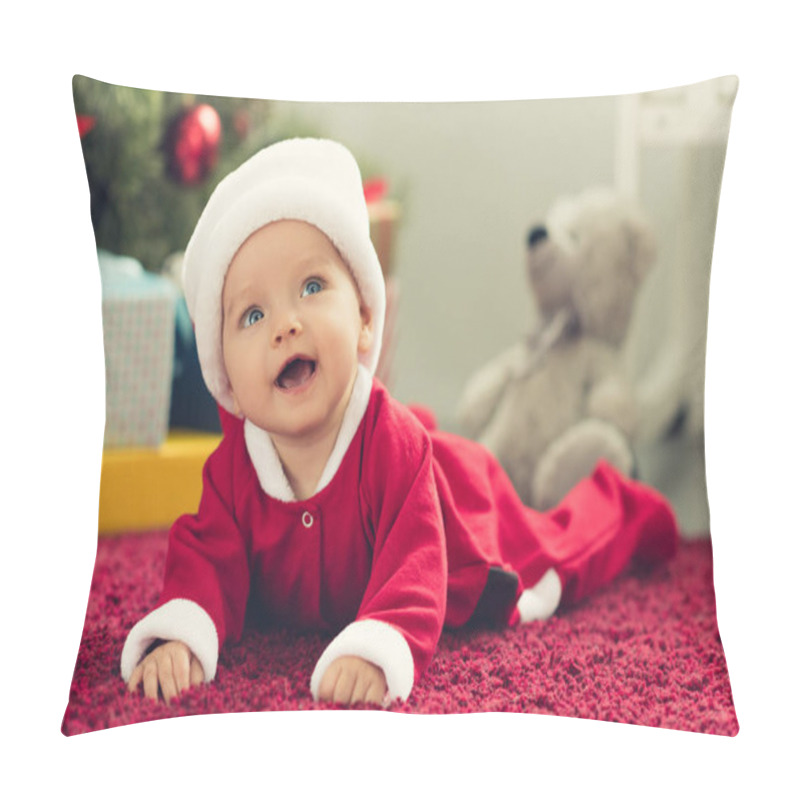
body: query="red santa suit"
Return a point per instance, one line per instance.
(411, 529)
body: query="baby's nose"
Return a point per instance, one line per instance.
(286, 328)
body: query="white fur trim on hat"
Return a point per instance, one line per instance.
(313, 180)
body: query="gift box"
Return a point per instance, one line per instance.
(192, 407)
(139, 341)
(384, 216)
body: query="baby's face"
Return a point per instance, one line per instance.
(293, 328)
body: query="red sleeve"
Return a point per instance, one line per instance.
(208, 555)
(407, 588)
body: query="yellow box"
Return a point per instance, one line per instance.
(148, 488)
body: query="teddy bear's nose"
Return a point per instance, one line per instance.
(536, 235)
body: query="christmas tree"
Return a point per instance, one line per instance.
(153, 158)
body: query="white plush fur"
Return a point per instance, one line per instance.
(181, 620)
(530, 404)
(541, 601)
(377, 642)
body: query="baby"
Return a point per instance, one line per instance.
(328, 505)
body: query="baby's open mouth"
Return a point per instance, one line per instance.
(297, 372)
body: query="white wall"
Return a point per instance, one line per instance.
(472, 178)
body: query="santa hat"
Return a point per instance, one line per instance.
(313, 180)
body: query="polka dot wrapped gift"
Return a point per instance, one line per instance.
(139, 343)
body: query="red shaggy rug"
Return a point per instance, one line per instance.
(645, 650)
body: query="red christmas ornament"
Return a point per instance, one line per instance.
(85, 124)
(192, 144)
(375, 189)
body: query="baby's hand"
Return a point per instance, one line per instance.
(171, 666)
(350, 680)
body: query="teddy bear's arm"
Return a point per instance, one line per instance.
(612, 400)
(574, 455)
(609, 394)
(486, 388)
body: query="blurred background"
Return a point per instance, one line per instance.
(454, 190)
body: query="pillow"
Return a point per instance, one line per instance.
(454, 192)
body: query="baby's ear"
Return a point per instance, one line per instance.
(367, 330)
(236, 408)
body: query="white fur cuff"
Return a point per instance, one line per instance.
(181, 620)
(377, 642)
(540, 601)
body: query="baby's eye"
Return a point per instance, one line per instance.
(252, 316)
(312, 286)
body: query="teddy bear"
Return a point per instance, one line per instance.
(557, 401)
